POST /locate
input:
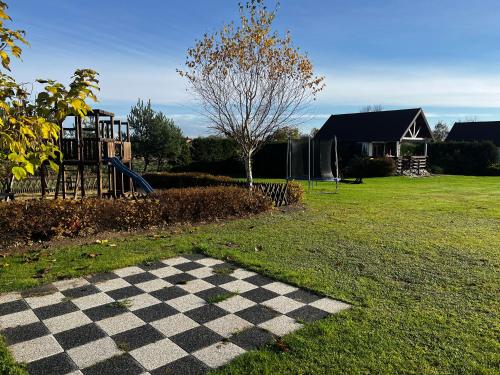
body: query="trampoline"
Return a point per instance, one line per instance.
(313, 160)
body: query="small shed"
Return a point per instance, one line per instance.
(476, 131)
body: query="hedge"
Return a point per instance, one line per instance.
(469, 158)
(371, 167)
(168, 180)
(43, 220)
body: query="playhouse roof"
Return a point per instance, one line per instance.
(384, 126)
(476, 131)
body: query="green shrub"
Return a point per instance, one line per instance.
(166, 180)
(371, 167)
(468, 158)
(36, 220)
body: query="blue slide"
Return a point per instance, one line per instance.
(137, 178)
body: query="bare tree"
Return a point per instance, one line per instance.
(250, 81)
(372, 108)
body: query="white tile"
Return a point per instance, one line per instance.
(67, 321)
(152, 285)
(46, 300)
(120, 323)
(10, 297)
(209, 262)
(70, 284)
(128, 271)
(330, 305)
(33, 350)
(235, 303)
(94, 352)
(281, 325)
(201, 273)
(174, 324)
(283, 304)
(141, 301)
(165, 272)
(238, 286)
(186, 303)
(280, 288)
(78, 372)
(228, 325)
(218, 354)
(195, 286)
(92, 300)
(18, 319)
(158, 354)
(112, 284)
(175, 261)
(241, 274)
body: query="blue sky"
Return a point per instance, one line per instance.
(440, 55)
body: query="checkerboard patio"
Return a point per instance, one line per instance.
(154, 318)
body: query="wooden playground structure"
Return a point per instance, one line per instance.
(88, 147)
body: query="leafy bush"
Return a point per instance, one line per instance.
(45, 219)
(371, 167)
(166, 180)
(493, 170)
(469, 158)
(295, 192)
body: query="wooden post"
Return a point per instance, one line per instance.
(82, 157)
(113, 169)
(99, 156)
(42, 180)
(63, 176)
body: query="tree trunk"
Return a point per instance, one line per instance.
(146, 163)
(158, 165)
(248, 169)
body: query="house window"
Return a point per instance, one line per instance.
(378, 150)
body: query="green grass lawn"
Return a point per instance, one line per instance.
(419, 260)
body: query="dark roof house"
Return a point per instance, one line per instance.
(475, 131)
(380, 133)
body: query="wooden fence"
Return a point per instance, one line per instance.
(278, 192)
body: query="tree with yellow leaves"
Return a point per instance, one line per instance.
(250, 80)
(29, 128)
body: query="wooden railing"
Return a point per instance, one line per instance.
(278, 192)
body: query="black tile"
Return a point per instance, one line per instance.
(127, 292)
(206, 313)
(57, 309)
(307, 314)
(259, 295)
(39, 291)
(252, 338)
(219, 279)
(259, 280)
(257, 314)
(196, 338)
(137, 337)
(56, 364)
(123, 365)
(13, 307)
(155, 312)
(166, 294)
(185, 366)
(303, 296)
(194, 256)
(188, 266)
(27, 332)
(81, 291)
(210, 293)
(79, 336)
(180, 278)
(104, 311)
(140, 278)
(101, 277)
(150, 266)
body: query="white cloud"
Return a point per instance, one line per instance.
(414, 86)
